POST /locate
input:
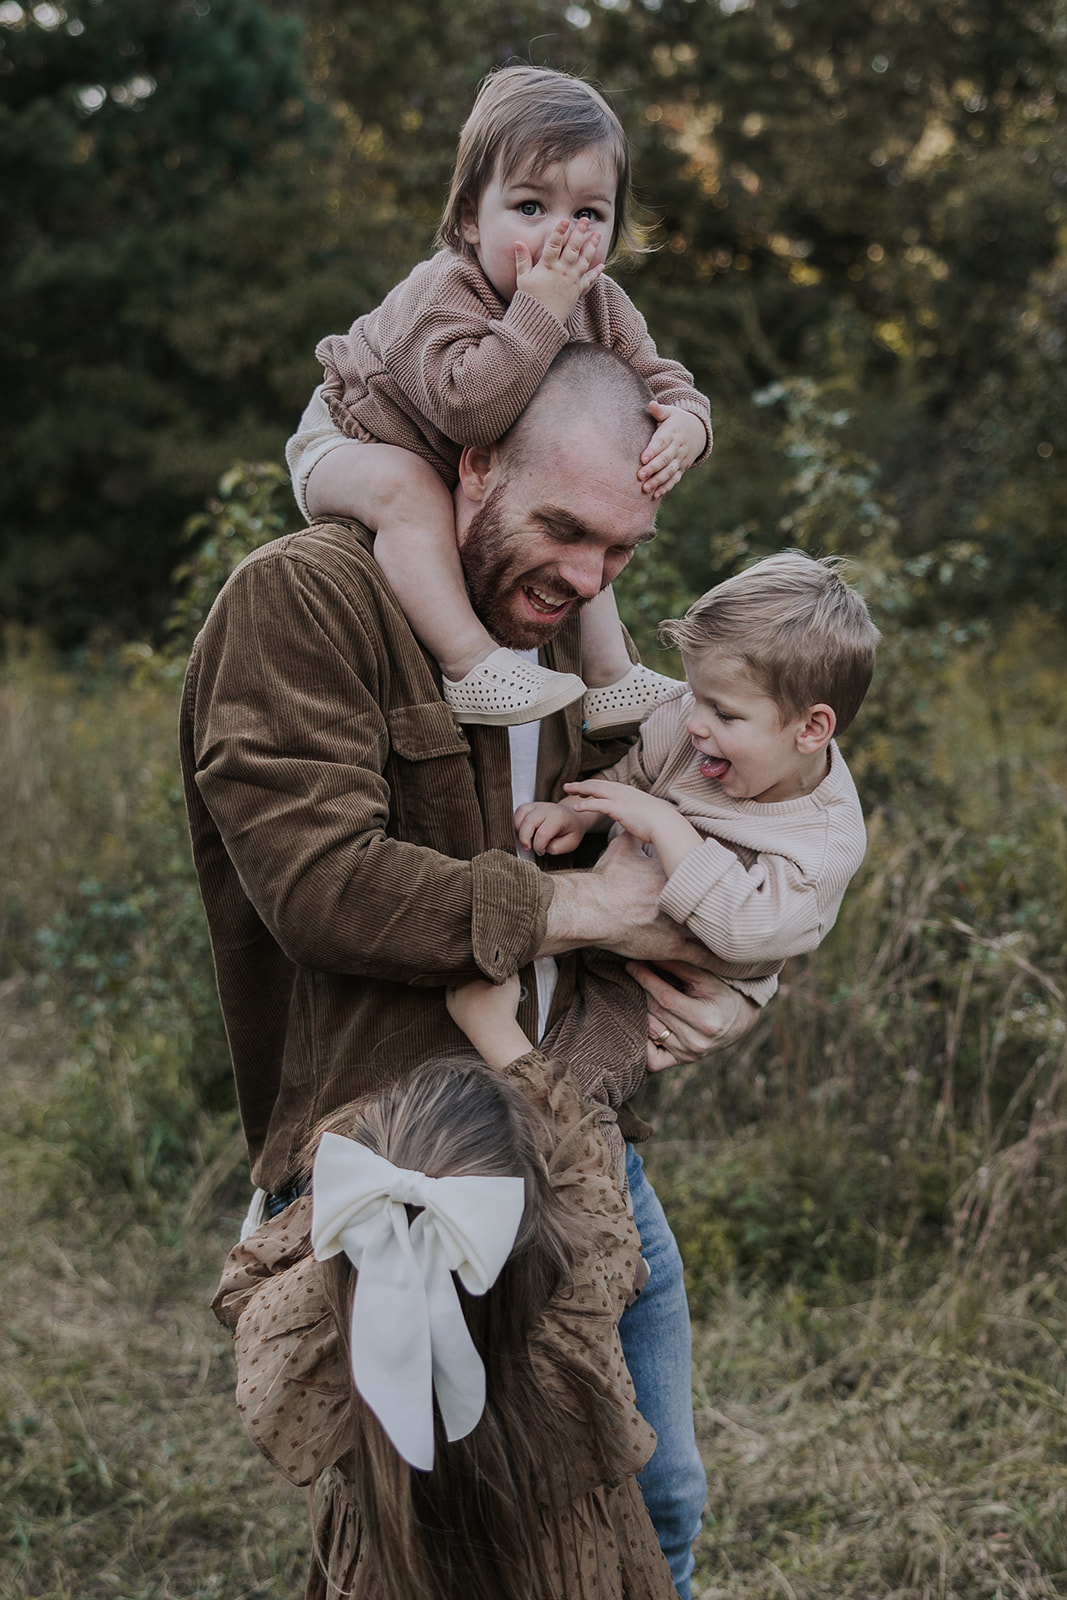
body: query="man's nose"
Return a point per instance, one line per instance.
(583, 570)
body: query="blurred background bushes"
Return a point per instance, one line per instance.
(869, 198)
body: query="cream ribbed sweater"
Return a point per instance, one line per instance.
(768, 880)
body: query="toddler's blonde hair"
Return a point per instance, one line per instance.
(802, 632)
(530, 118)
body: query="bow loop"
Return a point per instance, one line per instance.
(409, 1338)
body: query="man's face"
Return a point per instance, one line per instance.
(548, 537)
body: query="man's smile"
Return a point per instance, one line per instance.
(550, 607)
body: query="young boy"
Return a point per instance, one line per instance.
(736, 781)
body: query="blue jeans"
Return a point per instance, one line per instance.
(657, 1343)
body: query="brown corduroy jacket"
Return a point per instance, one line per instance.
(356, 852)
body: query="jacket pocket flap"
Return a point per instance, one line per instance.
(420, 733)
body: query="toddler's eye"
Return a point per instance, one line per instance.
(528, 208)
(588, 213)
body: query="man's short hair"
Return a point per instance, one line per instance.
(585, 384)
(802, 632)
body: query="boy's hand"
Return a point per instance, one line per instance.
(543, 825)
(640, 814)
(656, 822)
(672, 449)
(566, 270)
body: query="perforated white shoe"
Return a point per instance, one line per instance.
(620, 704)
(504, 690)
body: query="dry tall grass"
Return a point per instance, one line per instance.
(869, 1191)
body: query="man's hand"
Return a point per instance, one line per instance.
(566, 270)
(672, 449)
(616, 906)
(543, 825)
(705, 1014)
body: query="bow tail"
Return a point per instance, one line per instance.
(458, 1372)
(390, 1338)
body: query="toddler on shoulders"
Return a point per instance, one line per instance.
(540, 199)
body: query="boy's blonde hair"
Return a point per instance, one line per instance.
(805, 636)
(527, 117)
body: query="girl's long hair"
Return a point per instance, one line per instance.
(473, 1527)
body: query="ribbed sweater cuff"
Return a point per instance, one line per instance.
(695, 878)
(528, 319)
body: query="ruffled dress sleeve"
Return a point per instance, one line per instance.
(292, 1379)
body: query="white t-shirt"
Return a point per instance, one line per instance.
(524, 740)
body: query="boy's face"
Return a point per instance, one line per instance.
(526, 208)
(738, 730)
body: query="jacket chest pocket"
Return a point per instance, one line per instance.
(433, 795)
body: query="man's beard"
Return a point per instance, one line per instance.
(492, 565)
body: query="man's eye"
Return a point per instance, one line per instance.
(528, 208)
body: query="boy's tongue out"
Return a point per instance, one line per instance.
(714, 767)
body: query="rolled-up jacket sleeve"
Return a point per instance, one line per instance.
(292, 756)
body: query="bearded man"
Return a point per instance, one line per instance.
(356, 852)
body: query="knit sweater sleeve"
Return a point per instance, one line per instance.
(609, 317)
(784, 903)
(463, 359)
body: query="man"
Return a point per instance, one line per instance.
(356, 853)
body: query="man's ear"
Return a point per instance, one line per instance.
(817, 729)
(477, 468)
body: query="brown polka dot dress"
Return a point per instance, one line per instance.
(293, 1384)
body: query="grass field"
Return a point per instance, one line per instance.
(869, 1192)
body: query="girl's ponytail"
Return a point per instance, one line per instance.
(473, 1527)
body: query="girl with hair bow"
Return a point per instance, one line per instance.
(429, 1337)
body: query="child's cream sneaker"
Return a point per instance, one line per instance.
(628, 700)
(504, 690)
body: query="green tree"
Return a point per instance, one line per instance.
(871, 195)
(162, 210)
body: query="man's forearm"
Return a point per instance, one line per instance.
(580, 913)
(616, 906)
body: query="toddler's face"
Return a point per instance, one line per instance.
(739, 731)
(527, 208)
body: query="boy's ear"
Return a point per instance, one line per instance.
(477, 470)
(817, 729)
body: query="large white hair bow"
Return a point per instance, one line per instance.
(409, 1338)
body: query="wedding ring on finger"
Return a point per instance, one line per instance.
(661, 1038)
